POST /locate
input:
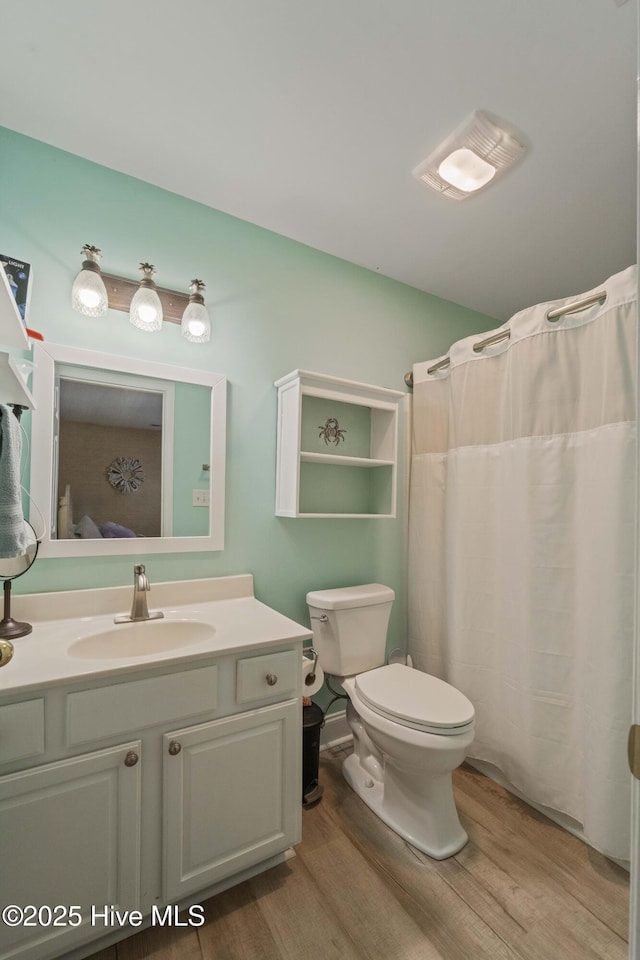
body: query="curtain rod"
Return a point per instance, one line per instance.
(478, 347)
(577, 305)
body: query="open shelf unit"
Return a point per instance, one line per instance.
(337, 447)
(13, 332)
(14, 371)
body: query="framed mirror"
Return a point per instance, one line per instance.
(128, 455)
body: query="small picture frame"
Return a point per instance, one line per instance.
(19, 275)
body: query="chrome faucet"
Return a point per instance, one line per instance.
(139, 608)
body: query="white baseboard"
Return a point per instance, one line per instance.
(335, 731)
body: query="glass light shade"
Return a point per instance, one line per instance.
(196, 325)
(465, 170)
(89, 294)
(145, 311)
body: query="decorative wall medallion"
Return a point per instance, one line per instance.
(331, 432)
(125, 474)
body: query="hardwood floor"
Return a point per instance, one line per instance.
(522, 889)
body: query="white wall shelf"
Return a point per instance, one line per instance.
(347, 471)
(13, 332)
(14, 371)
(335, 458)
(14, 374)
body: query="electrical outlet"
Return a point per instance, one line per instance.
(200, 498)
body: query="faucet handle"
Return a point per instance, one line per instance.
(138, 569)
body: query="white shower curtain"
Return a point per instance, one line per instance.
(521, 550)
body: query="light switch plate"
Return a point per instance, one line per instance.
(200, 498)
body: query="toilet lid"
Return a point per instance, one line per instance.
(415, 699)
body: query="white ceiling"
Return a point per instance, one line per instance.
(308, 118)
(109, 405)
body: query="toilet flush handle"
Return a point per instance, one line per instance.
(322, 618)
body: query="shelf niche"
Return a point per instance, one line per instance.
(337, 447)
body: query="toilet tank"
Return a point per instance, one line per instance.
(350, 627)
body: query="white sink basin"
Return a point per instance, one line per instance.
(141, 639)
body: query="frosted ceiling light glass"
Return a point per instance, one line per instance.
(88, 293)
(478, 153)
(465, 170)
(145, 311)
(196, 325)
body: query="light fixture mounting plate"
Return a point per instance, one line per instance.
(120, 292)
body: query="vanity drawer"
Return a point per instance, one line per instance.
(124, 707)
(268, 675)
(21, 730)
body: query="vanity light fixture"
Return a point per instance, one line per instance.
(147, 304)
(145, 311)
(88, 293)
(196, 325)
(479, 152)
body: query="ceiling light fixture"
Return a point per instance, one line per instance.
(465, 170)
(479, 152)
(147, 304)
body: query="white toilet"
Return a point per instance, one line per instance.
(410, 730)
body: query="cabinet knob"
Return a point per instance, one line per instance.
(131, 759)
(272, 679)
(175, 747)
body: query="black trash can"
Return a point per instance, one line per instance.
(312, 724)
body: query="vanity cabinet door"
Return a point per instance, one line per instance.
(69, 837)
(231, 795)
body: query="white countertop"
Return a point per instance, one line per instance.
(239, 623)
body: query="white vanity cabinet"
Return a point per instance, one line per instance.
(226, 802)
(70, 837)
(144, 789)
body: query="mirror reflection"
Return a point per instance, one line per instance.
(125, 451)
(12, 567)
(109, 461)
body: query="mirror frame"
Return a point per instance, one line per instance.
(43, 482)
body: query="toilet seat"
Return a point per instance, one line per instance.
(415, 699)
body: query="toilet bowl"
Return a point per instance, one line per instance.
(410, 730)
(412, 792)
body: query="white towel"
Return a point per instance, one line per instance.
(13, 530)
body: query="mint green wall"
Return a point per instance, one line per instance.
(276, 305)
(191, 445)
